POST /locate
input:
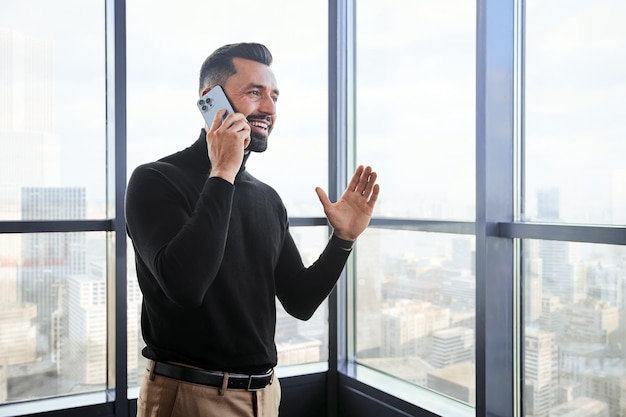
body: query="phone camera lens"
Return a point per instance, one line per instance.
(201, 102)
(204, 108)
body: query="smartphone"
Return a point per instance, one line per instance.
(213, 101)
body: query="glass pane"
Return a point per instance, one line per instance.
(300, 342)
(575, 315)
(52, 111)
(163, 68)
(52, 314)
(575, 129)
(415, 309)
(415, 105)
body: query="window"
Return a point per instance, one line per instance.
(53, 109)
(573, 304)
(53, 333)
(414, 286)
(497, 252)
(574, 124)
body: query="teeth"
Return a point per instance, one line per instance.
(259, 124)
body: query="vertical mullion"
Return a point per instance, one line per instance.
(337, 160)
(117, 385)
(495, 286)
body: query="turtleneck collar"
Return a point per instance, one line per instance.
(200, 148)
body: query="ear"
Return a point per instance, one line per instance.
(206, 90)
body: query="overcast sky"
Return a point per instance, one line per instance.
(415, 93)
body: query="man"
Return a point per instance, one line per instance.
(213, 251)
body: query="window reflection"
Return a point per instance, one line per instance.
(574, 311)
(415, 309)
(53, 337)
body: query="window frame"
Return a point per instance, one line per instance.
(497, 229)
(114, 399)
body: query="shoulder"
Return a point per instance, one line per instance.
(248, 180)
(151, 171)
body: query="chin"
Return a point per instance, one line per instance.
(257, 145)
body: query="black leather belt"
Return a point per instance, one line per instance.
(212, 379)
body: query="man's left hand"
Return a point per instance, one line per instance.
(351, 214)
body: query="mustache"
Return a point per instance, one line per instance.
(261, 117)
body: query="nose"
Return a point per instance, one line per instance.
(268, 106)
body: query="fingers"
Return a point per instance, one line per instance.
(374, 196)
(364, 182)
(226, 142)
(355, 178)
(238, 123)
(235, 123)
(217, 119)
(321, 194)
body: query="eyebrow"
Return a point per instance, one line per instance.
(263, 87)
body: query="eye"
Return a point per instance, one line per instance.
(255, 93)
(274, 99)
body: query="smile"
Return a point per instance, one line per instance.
(260, 124)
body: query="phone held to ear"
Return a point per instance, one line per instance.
(213, 101)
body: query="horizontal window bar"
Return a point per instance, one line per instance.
(307, 221)
(438, 226)
(47, 226)
(564, 232)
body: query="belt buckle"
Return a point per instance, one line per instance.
(249, 388)
(251, 377)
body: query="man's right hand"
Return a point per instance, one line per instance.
(226, 142)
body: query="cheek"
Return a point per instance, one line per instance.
(243, 106)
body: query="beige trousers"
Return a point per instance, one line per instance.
(160, 396)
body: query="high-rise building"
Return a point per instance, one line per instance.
(48, 259)
(591, 321)
(540, 372)
(30, 157)
(87, 338)
(30, 150)
(407, 327)
(557, 272)
(451, 346)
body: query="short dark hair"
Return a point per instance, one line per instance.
(218, 66)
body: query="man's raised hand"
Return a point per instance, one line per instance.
(351, 214)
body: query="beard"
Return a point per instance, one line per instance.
(258, 143)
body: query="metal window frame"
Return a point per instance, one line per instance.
(496, 336)
(499, 107)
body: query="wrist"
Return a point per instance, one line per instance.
(225, 175)
(343, 244)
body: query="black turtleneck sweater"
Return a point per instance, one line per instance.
(211, 257)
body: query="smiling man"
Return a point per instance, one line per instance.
(213, 251)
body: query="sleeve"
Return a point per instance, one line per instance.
(301, 290)
(181, 246)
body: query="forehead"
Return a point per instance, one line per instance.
(252, 72)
